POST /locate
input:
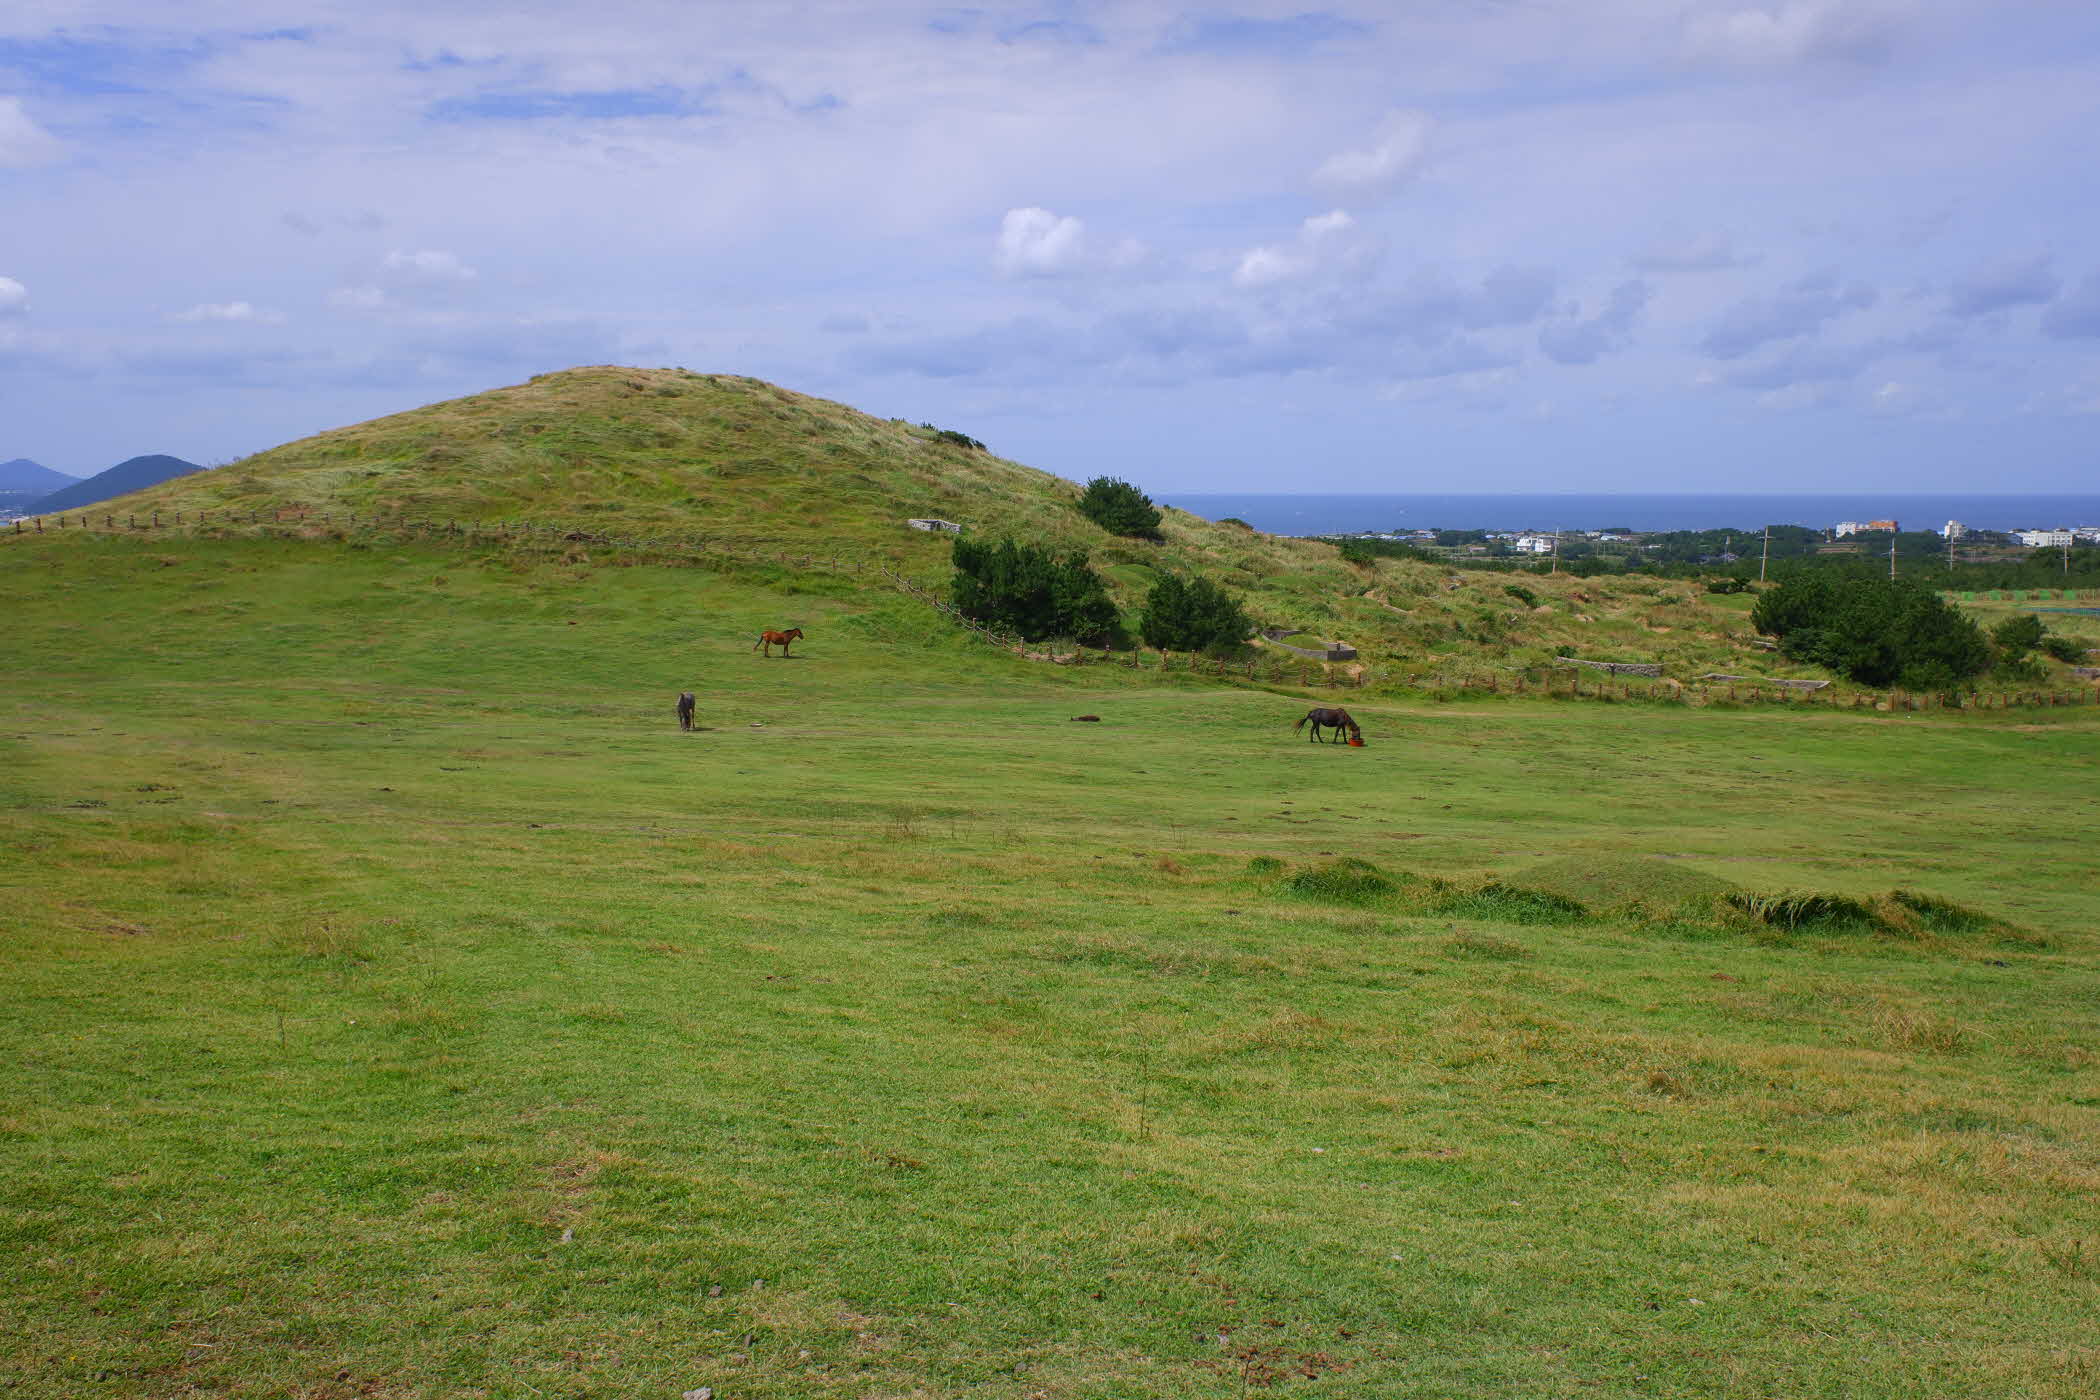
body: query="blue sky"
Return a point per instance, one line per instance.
(1451, 245)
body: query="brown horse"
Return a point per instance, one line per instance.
(1337, 720)
(769, 640)
(685, 709)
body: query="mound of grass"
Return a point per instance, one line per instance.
(1512, 904)
(1937, 915)
(1637, 885)
(1825, 913)
(1344, 881)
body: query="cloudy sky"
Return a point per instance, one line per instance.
(1424, 245)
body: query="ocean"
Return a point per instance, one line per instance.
(1320, 515)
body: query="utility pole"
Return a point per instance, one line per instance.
(1556, 554)
(1892, 552)
(1766, 557)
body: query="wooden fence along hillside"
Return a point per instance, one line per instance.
(1713, 688)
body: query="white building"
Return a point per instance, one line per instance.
(1955, 530)
(1532, 544)
(2043, 539)
(1846, 527)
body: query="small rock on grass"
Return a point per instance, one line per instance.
(705, 1392)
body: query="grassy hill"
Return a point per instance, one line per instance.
(647, 451)
(401, 1006)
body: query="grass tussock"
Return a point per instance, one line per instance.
(1343, 881)
(1485, 947)
(1919, 1030)
(1511, 904)
(1808, 911)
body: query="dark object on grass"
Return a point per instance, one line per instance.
(1086, 719)
(1337, 720)
(769, 640)
(685, 709)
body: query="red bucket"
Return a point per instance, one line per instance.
(1356, 743)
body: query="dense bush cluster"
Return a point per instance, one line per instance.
(1120, 508)
(1878, 631)
(954, 439)
(1031, 592)
(1192, 615)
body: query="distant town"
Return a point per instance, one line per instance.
(1845, 536)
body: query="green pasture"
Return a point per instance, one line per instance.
(397, 1004)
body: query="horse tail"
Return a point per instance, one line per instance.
(1301, 721)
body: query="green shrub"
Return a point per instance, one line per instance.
(1031, 592)
(1192, 615)
(2063, 648)
(955, 439)
(2016, 636)
(1522, 594)
(1878, 631)
(1120, 508)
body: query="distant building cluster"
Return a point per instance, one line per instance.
(2057, 539)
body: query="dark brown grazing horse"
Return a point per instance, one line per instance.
(1337, 720)
(685, 709)
(769, 640)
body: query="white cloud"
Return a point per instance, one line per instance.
(14, 297)
(231, 311)
(1330, 243)
(1855, 31)
(22, 142)
(1367, 176)
(404, 278)
(1037, 243)
(1894, 399)
(427, 267)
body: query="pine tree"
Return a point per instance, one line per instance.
(1192, 615)
(1120, 508)
(1030, 592)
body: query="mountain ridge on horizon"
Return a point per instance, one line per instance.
(23, 474)
(131, 474)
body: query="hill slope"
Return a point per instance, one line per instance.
(652, 451)
(133, 474)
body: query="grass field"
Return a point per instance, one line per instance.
(398, 1005)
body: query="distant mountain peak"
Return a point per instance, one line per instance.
(132, 474)
(24, 475)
